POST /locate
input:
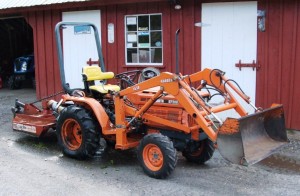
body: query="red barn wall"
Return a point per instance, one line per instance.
(278, 49)
(276, 52)
(43, 22)
(172, 20)
(46, 69)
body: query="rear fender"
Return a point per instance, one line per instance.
(93, 105)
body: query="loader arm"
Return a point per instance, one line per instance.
(179, 87)
(246, 140)
(252, 137)
(217, 79)
(174, 85)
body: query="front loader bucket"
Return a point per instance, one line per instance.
(250, 139)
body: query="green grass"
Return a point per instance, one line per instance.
(40, 146)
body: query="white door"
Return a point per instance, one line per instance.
(79, 44)
(230, 35)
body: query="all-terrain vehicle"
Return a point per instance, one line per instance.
(23, 72)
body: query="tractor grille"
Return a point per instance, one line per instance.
(172, 114)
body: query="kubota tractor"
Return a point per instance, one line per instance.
(158, 116)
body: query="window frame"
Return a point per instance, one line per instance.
(139, 64)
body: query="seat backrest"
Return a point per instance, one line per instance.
(94, 72)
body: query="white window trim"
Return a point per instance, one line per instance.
(162, 51)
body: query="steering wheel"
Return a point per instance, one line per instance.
(127, 78)
(148, 73)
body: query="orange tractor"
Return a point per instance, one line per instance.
(157, 115)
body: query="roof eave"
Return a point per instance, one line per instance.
(59, 6)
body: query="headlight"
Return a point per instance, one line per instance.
(24, 66)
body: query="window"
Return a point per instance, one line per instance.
(143, 39)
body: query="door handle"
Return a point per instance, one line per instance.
(254, 65)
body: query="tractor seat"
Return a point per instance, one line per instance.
(92, 73)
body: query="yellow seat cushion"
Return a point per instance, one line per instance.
(105, 88)
(94, 73)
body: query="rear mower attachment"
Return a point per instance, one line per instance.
(31, 120)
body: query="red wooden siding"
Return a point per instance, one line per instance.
(172, 20)
(43, 22)
(47, 70)
(278, 46)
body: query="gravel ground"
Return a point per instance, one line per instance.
(31, 166)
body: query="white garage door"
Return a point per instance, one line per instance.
(79, 45)
(230, 35)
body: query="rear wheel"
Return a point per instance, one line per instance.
(77, 132)
(199, 152)
(157, 155)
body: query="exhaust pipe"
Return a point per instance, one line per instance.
(177, 50)
(250, 139)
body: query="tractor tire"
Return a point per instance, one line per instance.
(157, 155)
(77, 132)
(203, 153)
(13, 84)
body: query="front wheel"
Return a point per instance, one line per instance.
(157, 155)
(77, 132)
(199, 152)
